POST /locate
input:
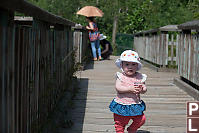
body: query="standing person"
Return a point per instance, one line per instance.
(129, 85)
(94, 38)
(106, 47)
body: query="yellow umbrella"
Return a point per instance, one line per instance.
(90, 11)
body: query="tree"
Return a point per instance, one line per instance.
(193, 6)
(126, 16)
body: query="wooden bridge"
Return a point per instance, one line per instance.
(38, 58)
(166, 103)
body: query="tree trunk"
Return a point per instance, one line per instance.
(114, 30)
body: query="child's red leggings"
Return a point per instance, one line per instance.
(122, 121)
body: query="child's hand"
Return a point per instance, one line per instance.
(137, 88)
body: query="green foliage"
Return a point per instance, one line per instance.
(193, 5)
(133, 15)
(124, 42)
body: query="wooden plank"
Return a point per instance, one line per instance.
(172, 44)
(3, 28)
(1, 78)
(197, 60)
(10, 79)
(187, 56)
(12, 69)
(167, 49)
(191, 59)
(158, 48)
(146, 51)
(178, 53)
(161, 48)
(177, 49)
(184, 55)
(151, 48)
(25, 42)
(172, 59)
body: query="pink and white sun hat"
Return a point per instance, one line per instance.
(129, 56)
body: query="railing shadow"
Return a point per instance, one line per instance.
(68, 117)
(142, 131)
(89, 65)
(75, 116)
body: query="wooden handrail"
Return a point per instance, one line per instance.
(34, 11)
(190, 25)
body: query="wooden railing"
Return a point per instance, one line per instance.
(188, 51)
(81, 44)
(36, 63)
(157, 45)
(162, 48)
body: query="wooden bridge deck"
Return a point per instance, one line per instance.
(166, 103)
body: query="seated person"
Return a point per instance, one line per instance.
(106, 47)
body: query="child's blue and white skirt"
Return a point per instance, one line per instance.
(127, 110)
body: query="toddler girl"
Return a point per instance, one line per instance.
(129, 85)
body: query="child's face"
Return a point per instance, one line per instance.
(129, 68)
